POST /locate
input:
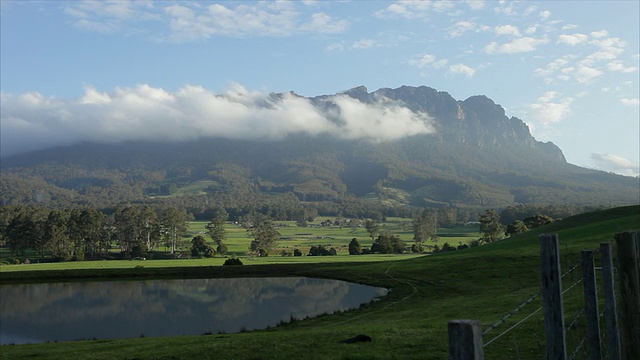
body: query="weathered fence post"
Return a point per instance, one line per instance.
(610, 311)
(552, 297)
(627, 252)
(591, 304)
(465, 340)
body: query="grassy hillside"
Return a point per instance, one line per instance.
(481, 283)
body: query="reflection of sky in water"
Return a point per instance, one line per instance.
(70, 311)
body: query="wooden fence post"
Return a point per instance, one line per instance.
(465, 340)
(591, 305)
(610, 311)
(627, 253)
(551, 284)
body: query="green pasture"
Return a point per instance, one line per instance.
(215, 261)
(292, 236)
(482, 283)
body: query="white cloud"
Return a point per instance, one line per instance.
(427, 61)
(335, 47)
(462, 70)
(551, 68)
(600, 34)
(32, 121)
(570, 27)
(616, 163)
(520, 45)
(573, 39)
(610, 48)
(507, 30)
(460, 27)
(414, 9)
(583, 74)
(630, 102)
(545, 14)
(548, 109)
(194, 21)
(508, 10)
(108, 16)
(476, 4)
(322, 23)
(365, 44)
(620, 67)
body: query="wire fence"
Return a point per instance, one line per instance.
(577, 338)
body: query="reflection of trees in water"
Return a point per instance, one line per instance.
(217, 299)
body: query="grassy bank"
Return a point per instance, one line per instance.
(410, 323)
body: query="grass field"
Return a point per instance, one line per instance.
(291, 237)
(482, 283)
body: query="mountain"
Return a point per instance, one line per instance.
(473, 155)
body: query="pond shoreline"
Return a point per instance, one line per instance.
(178, 272)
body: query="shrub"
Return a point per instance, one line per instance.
(297, 252)
(222, 249)
(354, 247)
(232, 261)
(448, 247)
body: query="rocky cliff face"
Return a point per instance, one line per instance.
(476, 121)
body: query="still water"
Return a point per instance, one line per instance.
(34, 313)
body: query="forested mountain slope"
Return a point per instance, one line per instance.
(475, 156)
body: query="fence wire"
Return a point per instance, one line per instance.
(570, 270)
(508, 315)
(572, 286)
(513, 327)
(573, 325)
(574, 321)
(575, 352)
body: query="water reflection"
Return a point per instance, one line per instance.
(31, 313)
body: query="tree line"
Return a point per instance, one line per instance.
(86, 233)
(138, 230)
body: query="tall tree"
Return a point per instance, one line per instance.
(490, 226)
(57, 237)
(372, 228)
(126, 228)
(19, 233)
(425, 225)
(265, 237)
(174, 225)
(216, 230)
(149, 226)
(85, 230)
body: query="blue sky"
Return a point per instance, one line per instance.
(127, 70)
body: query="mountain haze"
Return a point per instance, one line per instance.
(405, 146)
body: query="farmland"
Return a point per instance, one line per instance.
(480, 283)
(291, 237)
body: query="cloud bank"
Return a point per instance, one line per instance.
(616, 163)
(32, 121)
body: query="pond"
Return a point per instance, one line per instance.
(35, 313)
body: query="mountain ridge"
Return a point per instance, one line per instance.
(475, 156)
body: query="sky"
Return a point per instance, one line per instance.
(119, 70)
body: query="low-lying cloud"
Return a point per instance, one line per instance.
(616, 163)
(33, 121)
